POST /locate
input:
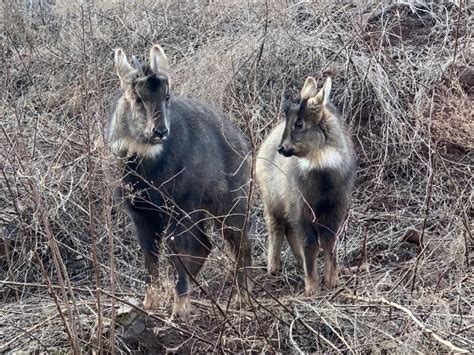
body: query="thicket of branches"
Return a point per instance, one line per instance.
(403, 80)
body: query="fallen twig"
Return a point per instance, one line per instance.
(420, 325)
(7, 345)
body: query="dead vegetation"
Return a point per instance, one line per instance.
(403, 78)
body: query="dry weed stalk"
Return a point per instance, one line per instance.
(420, 324)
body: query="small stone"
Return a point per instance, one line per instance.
(412, 236)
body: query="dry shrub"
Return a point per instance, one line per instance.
(401, 78)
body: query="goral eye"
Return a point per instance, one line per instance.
(167, 97)
(299, 124)
(138, 100)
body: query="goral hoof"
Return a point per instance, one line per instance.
(311, 290)
(331, 282)
(151, 301)
(182, 308)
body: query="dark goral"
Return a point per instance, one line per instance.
(186, 163)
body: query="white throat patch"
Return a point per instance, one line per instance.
(130, 147)
(329, 158)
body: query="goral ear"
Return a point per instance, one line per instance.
(309, 89)
(322, 97)
(158, 59)
(122, 66)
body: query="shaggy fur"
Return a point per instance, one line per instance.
(306, 188)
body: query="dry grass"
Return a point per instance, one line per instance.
(403, 79)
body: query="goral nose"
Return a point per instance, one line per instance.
(285, 150)
(161, 133)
